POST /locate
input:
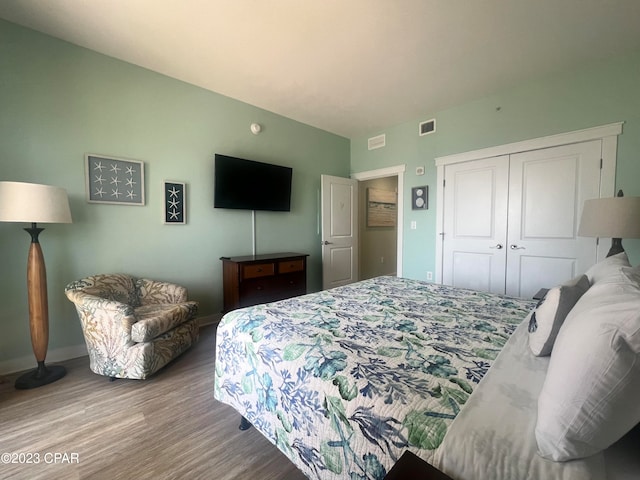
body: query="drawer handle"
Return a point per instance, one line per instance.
(259, 287)
(259, 269)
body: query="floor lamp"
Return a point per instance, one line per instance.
(33, 203)
(614, 217)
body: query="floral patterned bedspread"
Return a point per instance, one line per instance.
(343, 381)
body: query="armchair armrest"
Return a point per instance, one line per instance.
(94, 309)
(153, 291)
(156, 319)
(85, 300)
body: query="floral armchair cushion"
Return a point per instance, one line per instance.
(154, 320)
(151, 292)
(133, 327)
(116, 287)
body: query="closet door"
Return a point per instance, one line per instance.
(547, 189)
(475, 224)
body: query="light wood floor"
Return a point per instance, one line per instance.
(166, 427)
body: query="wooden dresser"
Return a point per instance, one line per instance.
(255, 279)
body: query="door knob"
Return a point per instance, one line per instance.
(515, 247)
(325, 243)
(498, 246)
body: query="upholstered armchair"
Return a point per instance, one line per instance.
(133, 326)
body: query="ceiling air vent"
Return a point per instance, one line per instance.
(377, 142)
(425, 128)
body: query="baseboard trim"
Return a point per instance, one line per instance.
(57, 355)
(210, 319)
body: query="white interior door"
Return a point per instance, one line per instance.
(547, 189)
(339, 212)
(475, 224)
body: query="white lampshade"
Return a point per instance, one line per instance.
(615, 217)
(33, 203)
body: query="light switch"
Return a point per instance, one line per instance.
(414, 224)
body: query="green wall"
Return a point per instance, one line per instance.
(596, 94)
(59, 102)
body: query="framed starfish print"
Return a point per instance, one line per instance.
(175, 203)
(114, 180)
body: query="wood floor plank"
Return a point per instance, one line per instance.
(165, 427)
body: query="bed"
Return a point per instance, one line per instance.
(344, 381)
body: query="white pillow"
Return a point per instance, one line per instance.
(591, 394)
(607, 266)
(548, 316)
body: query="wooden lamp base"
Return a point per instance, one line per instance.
(42, 375)
(38, 317)
(616, 247)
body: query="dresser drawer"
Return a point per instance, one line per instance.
(260, 290)
(291, 266)
(254, 299)
(258, 287)
(271, 289)
(254, 279)
(292, 284)
(256, 270)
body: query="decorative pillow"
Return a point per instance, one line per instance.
(589, 399)
(607, 266)
(547, 318)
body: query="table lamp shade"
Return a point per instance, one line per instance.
(615, 217)
(34, 203)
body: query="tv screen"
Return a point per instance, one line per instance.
(250, 185)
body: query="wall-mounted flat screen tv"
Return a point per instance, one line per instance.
(250, 185)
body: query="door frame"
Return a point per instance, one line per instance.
(607, 133)
(397, 170)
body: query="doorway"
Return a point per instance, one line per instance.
(378, 227)
(377, 243)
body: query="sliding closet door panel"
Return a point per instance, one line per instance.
(547, 189)
(475, 197)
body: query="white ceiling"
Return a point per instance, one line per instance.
(351, 67)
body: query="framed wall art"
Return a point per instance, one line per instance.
(420, 198)
(114, 180)
(382, 208)
(175, 203)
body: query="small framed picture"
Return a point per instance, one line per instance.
(114, 180)
(420, 198)
(382, 208)
(175, 203)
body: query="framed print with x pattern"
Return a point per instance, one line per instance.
(114, 180)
